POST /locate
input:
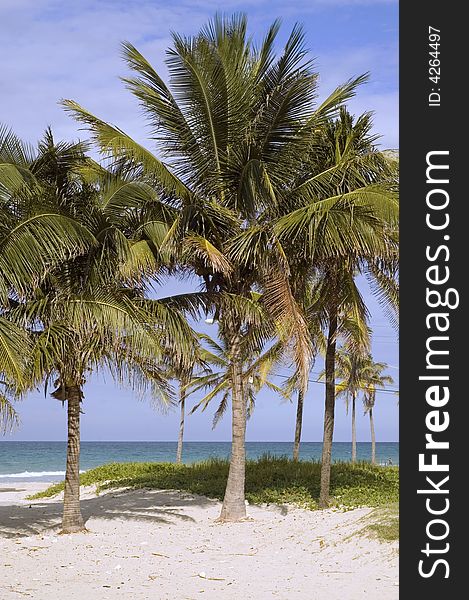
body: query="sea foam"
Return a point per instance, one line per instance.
(29, 474)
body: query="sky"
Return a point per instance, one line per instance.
(58, 49)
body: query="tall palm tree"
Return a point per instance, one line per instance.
(340, 297)
(217, 376)
(353, 370)
(373, 380)
(342, 244)
(235, 134)
(183, 375)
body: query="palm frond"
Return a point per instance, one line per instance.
(9, 417)
(115, 143)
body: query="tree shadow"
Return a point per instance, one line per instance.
(153, 506)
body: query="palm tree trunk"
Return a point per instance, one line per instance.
(354, 432)
(373, 438)
(234, 505)
(72, 518)
(328, 414)
(299, 423)
(182, 403)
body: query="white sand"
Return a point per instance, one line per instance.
(164, 545)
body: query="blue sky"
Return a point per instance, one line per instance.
(60, 49)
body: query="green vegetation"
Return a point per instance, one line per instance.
(386, 523)
(268, 480)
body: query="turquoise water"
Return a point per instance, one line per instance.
(45, 461)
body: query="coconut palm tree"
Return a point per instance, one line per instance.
(373, 379)
(341, 247)
(235, 128)
(353, 370)
(216, 376)
(183, 375)
(88, 313)
(345, 316)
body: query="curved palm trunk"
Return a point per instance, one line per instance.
(328, 414)
(72, 518)
(299, 423)
(182, 403)
(373, 438)
(354, 432)
(234, 505)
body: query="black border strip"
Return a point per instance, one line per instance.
(435, 124)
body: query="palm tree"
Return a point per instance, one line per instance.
(341, 298)
(236, 133)
(88, 313)
(353, 370)
(183, 375)
(216, 376)
(373, 380)
(214, 355)
(340, 247)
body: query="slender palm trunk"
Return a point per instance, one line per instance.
(373, 438)
(72, 518)
(299, 423)
(328, 414)
(234, 505)
(182, 403)
(354, 432)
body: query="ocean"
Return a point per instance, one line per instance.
(45, 461)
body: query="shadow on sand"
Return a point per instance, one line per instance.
(154, 506)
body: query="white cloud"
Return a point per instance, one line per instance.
(73, 53)
(62, 49)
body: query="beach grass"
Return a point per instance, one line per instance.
(269, 480)
(385, 523)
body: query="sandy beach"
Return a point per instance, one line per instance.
(165, 545)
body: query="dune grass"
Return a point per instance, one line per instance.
(385, 523)
(268, 480)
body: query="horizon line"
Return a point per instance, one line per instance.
(204, 441)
